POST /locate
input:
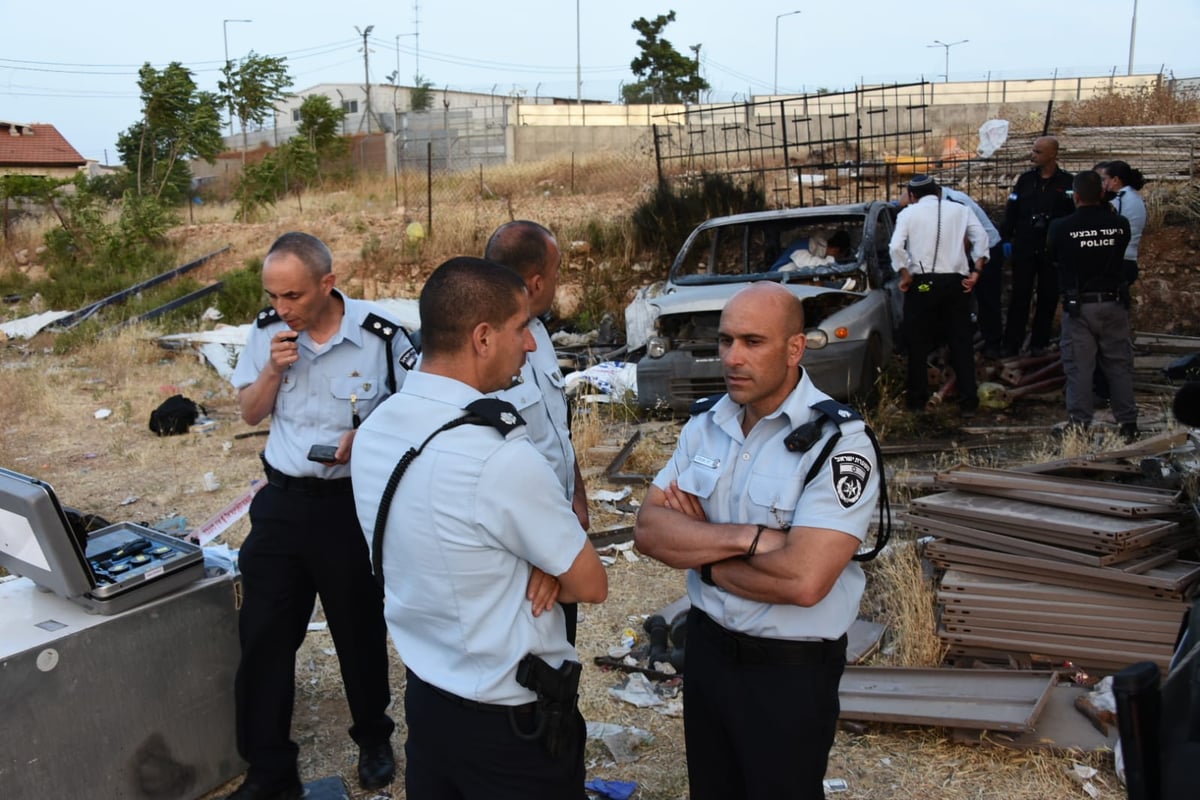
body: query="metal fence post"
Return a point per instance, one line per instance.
(429, 188)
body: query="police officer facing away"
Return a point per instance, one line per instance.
(928, 247)
(316, 363)
(1040, 195)
(1088, 249)
(770, 576)
(532, 252)
(475, 545)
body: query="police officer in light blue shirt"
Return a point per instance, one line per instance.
(767, 528)
(475, 546)
(531, 251)
(316, 362)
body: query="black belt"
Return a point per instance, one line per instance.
(527, 708)
(1099, 297)
(746, 649)
(316, 487)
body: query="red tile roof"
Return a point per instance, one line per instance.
(36, 145)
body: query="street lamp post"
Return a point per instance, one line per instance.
(1132, 37)
(938, 43)
(775, 89)
(225, 33)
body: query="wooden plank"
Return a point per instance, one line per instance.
(984, 592)
(1150, 535)
(1012, 479)
(1097, 629)
(1172, 577)
(1080, 651)
(990, 699)
(1035, 515)
(1013, 544)
(1062, 580)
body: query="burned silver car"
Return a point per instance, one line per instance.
(834, 258)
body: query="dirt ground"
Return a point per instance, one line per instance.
(114, 466)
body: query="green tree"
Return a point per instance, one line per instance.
(292, 167)
(178, 121)
(665, 75)
(251, 88)
(320, 122)
(420, 97)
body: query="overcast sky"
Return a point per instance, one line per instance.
(74, 64)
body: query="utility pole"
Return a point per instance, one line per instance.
(366, 69)
(1132, 37)
(578, 60)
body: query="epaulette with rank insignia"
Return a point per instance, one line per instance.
(496, 413)
(704, 404)
(385, 329)
(268, 316)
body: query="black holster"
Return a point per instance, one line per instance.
(557, 698)
(1071, 304)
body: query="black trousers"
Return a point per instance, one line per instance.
(939, 313)
(300, 546)
(460, 751)
(759, 715)
(1030, 272)
(987, 298)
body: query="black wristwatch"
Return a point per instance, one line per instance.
(706, 574)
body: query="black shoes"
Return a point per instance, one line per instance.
(253, 790)
(1129, 432)
(376, 766)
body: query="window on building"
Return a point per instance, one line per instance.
(295, 115)
(350, 106)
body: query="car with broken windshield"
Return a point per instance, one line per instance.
(849, 292)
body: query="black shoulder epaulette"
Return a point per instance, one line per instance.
(499, 414)
(803, 437)
(268, 316)
(808, 434)
(384, 329)
(704, 404)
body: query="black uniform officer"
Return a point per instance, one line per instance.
(1042, 194)
(1088, 250)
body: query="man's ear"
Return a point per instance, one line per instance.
(481, 338)
(795, 349)
(534, 283)
(327, 282)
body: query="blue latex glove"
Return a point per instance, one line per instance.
(1007, 246)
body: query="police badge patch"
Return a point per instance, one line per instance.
(850, 475)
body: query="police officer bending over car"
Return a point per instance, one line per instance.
(471, 535)
(317, 362)
(766, 518)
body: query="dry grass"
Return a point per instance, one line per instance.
(908, 597)
(1160, 104)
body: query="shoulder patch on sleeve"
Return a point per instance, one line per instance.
(267, 317)
(850, 474)
(704, 404)
(496, 413)
(383, 328)
(408, 358)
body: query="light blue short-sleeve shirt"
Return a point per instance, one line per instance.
(320, 393)
(754, 479)
(467, 523)
(542, 401)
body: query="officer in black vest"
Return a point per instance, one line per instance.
(317, 362)
(1040, 196)
(1088, 250)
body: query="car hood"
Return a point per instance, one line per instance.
(712, 297)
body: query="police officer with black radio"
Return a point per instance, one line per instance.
(1087, 249)
(1041, 195)
(317, 362)
(474, 542)
(765, 502)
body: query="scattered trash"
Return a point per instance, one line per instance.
(130, 500)
(607, 496)
(102, 413)
(174, 525)
(211, 314)
(835, 785)
(638, 691)
(318, 626)
(211, 484)
(614, 378)
(628, 639)
(203, 425)
(613, 790)
(1084, 774)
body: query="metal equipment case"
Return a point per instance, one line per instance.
(138, 704)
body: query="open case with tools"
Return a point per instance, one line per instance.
(106, 571)
(118, 650)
